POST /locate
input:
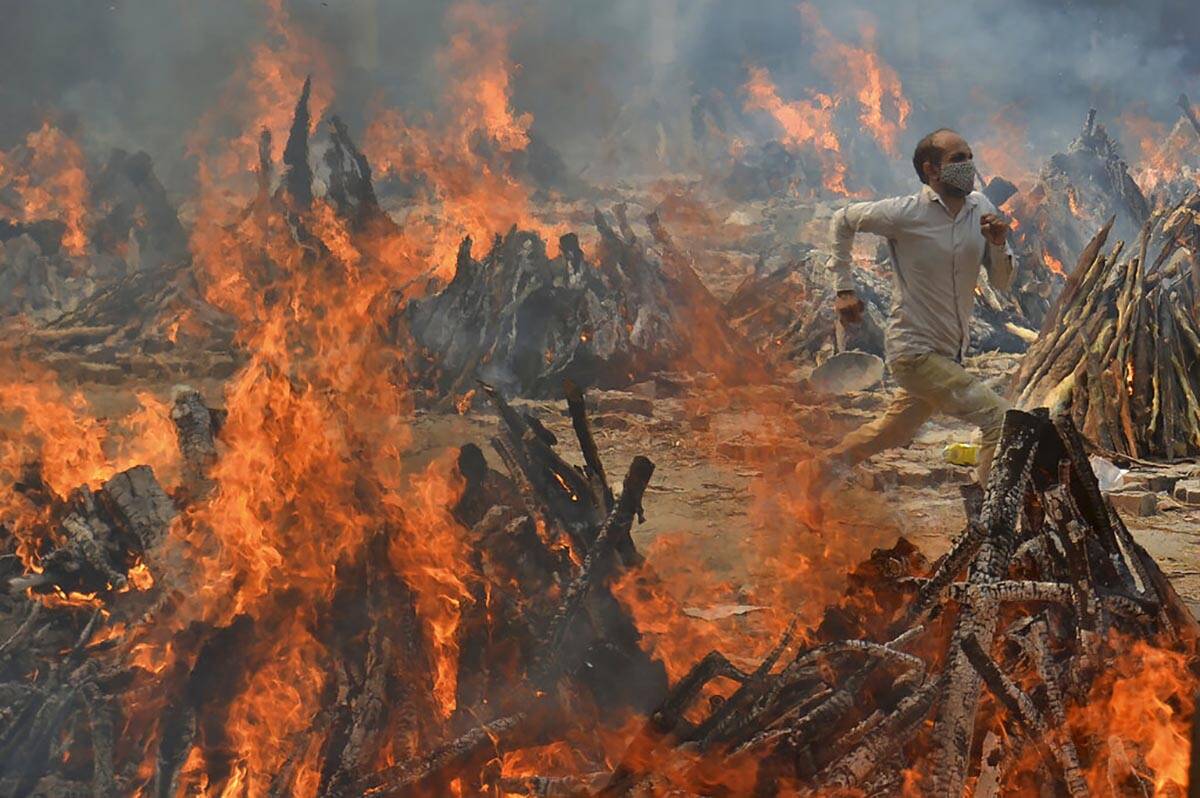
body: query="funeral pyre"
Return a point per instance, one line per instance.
(261, 599)
(1121, 349)
(350, 630)
(264, 599)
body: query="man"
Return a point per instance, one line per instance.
(937, 238)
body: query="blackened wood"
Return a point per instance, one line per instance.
(297, 176)
(413, 778)
(140, 505)
(577, 408)
(196, 432)
(597, 567)
(882, 741)
(1008, 483)
(1017, 702)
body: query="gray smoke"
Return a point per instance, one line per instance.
(139, 73)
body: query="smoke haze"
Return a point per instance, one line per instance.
(140, 74)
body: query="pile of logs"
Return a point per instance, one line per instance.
(1043, 588)
(1076, 191)
(525, 322)
(131, 228)
(1120, 350)
(545, 643)
(1054, 588)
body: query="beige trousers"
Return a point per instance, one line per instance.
(929, 383)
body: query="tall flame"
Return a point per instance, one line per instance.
(462, 159)
(860, 72)
(806, 125)
(49, 182)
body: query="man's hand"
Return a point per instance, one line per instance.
(994, 228)
(849, 307)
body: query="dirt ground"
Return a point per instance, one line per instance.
(725, 496)
(719, 453)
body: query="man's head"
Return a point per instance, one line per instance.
(943, 160)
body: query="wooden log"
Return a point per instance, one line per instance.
(142, 509)
(1084, 271)
(1007, 591)
(412, 779)
(1011, 470)
(1168, 386)
(726, 716)
(196, 427)
(613, 538)
(890, 734)
(666, 723)
(1017, 702)
(560, 487)
(577, 408)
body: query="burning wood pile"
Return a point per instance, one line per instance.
(1056, 591)
(1076, 192)
(69, 229)
(1058, 608)
(95, 270)
(1170, 165)
(525, 321)
(1120, 349)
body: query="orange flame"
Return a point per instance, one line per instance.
(50, 182)
(806, 125)
(1054, 264)
(470, 192)
(860, 72)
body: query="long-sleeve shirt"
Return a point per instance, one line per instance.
(935, 266)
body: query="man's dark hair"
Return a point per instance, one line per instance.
(928, 151)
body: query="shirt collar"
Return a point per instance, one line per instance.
(932, 196)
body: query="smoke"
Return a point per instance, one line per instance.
(140, 73)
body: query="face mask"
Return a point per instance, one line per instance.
(959, 175)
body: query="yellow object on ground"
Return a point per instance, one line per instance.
(961, 454)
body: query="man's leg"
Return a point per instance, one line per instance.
(896, 427)
(949, 388)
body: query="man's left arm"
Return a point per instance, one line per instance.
(997, 256)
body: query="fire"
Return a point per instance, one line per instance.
(260, 96)
(434, 562)
(1054, 264)
(860, 72)
(1144, 698)
(49, 180)
(1003, 149)
(1157, 154)
(463, 159)
(806, 125)
(1073, 204)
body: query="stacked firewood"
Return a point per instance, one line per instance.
(1121, 347)
(525, 321)
(544, 639)
(1055, 588)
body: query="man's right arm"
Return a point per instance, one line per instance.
(880, 218)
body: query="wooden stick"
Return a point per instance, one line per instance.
(1020, 438)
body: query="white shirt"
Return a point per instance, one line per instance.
(935, 266)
